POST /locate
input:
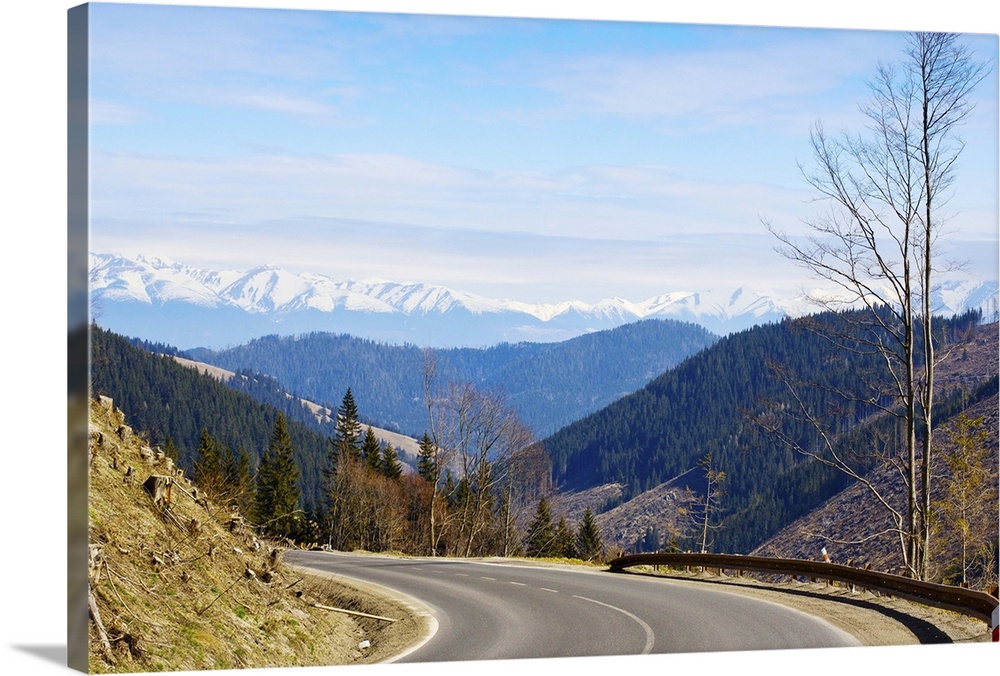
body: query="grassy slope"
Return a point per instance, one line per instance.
(176, 597)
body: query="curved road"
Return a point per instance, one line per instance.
(487, 610)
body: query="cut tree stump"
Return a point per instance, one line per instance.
(159, 488)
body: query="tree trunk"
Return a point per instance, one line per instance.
(928, 393)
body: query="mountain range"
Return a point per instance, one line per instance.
(163, 300)
(158, 299)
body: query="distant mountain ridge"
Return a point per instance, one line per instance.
(159, 299)
(163, 300)
(549, 384)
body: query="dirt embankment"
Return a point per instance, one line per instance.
(180, 583)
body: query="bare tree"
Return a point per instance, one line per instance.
(526, 476)
(709, 504)
(877, 242)
(945, 75)
(438, 457)
(486, 433)
(479, 436)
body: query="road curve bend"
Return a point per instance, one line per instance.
(494, 610)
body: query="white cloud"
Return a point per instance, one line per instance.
(282, 103)
(637, 202)
(103, 112)
(770, 81)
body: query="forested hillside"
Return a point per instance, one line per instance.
(468, 498)
(964, 493)
(708, 406)
(173, 405)
(549, 385)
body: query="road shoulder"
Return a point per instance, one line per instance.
(874, 620)
(413, 624)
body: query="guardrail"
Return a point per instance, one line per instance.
(977, 604)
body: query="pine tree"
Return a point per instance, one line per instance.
(391, 466)
(450, 490)
(348, 431)
(565, 541)
(170, 449)
(208, 465)
(541, 534)
(263, 497)
(277, 497)
(371, 450)
(237, 478)
(588, 538)
(244, 477)
(427, 461)
(460, 495)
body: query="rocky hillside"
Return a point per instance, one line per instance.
(180, 583)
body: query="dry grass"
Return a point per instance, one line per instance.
(182, 586)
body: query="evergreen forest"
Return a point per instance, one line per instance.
(344, 489)
(172, 406)
(549, 384)
(723, 403)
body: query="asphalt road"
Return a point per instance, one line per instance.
(488, 610)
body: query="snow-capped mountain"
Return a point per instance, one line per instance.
(166, 301)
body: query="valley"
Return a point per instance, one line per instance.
(665, 426)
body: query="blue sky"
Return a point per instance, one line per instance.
(532, 159)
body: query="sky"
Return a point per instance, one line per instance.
(523, 158)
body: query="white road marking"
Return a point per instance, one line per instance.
(519, 584)
(554, 591)
(649, 630)
(488, 578)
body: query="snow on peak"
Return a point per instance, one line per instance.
(271, 290)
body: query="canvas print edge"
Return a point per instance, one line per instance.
(77, 348)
